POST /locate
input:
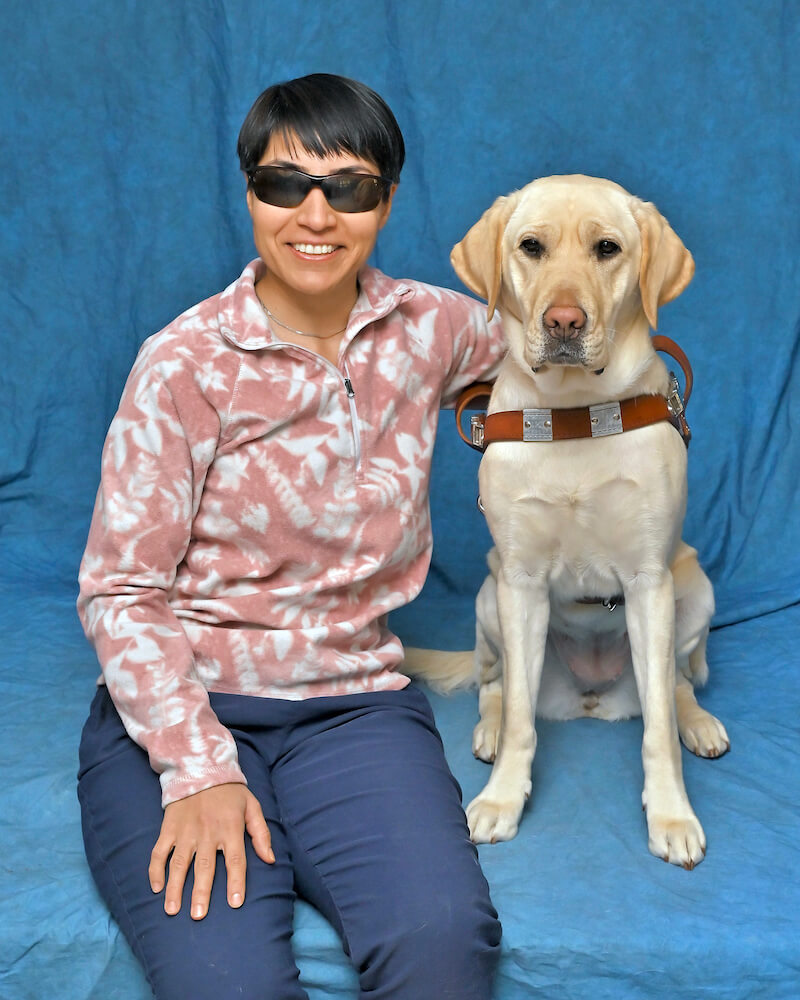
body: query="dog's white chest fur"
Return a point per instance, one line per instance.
(586, 519)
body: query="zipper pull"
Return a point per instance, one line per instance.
(349, 387)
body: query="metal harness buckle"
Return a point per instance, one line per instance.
(674, 398)
(476, 430)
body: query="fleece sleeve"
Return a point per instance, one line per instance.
(476, 345)
(157, 453)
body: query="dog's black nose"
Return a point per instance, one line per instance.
(565, 322)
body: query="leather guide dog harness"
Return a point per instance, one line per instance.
(603, 419)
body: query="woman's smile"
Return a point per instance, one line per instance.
(315, 249)
(312, 252)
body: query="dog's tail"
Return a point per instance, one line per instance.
(442, 670)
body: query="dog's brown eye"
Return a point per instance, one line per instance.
(532, 247)
(607, 248)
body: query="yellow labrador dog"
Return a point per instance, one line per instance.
(594, 606)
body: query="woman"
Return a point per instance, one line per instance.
(262, 508)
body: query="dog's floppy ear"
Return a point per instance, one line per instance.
(666, 267)
(478, 258)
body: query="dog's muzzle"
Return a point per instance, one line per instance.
(566, 352)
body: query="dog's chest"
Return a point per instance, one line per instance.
(574, 523)
(577, 518)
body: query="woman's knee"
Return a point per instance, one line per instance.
(450, 948)
(220, 972)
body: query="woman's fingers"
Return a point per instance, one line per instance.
(236, 865)
(178, 870)
(258, 829)
(205, 863)
(194, 830)
(158, 861)
(235, 857)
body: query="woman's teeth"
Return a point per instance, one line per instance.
(317, 249)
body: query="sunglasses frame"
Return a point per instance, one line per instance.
(326, 183)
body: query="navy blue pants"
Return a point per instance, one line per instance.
(366, 824)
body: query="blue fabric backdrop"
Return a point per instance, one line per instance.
(122, 205)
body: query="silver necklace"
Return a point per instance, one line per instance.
(291, 329)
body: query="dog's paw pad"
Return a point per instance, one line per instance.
(705, 735)
(490, 821)
(484, 742)
(678, 841)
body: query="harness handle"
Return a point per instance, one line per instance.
(670, 347)
(478, 390)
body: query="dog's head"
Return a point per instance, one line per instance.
(576, 260)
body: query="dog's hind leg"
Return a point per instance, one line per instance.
(486, 734)
(488, 670)
(700, 731)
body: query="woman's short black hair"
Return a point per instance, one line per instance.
(324, 114)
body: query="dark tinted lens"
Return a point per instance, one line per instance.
(349, 193)
(280, 186)
(287, 188)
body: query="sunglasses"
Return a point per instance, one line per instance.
(286, 187)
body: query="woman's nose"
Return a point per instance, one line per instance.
(314, 210)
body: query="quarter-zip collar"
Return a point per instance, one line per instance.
(242, 321)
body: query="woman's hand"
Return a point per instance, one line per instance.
(199, 826)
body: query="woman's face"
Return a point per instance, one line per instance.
(312, 250)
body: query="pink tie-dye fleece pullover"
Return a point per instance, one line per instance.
(262, 510)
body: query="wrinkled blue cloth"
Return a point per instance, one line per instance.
(123, 205)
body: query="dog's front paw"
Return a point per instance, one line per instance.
(703, 733)
(678, 841)
(485, 738)
(491, 820)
